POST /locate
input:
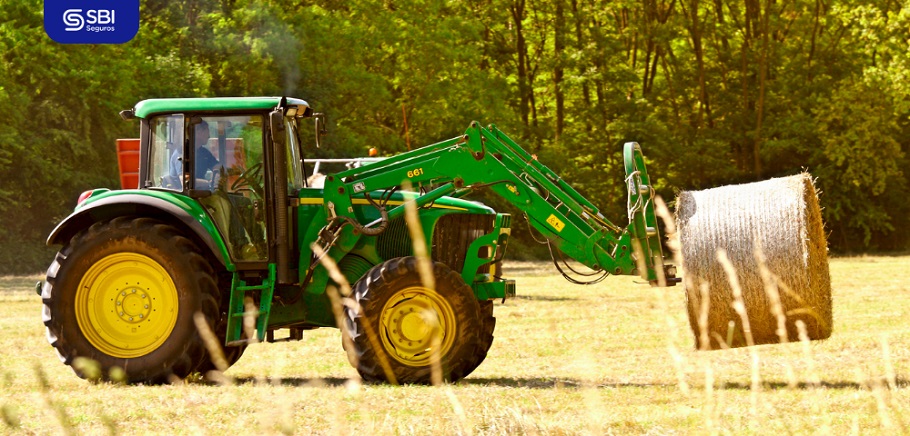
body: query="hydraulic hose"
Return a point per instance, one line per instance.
(370, 231)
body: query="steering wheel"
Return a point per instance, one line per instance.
(250, 178)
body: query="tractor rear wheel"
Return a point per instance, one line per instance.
(402, 329)
(231, 354)
(124, 293)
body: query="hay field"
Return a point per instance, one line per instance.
(615, 358)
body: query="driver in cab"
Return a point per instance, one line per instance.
(219, 205)
(205, 160)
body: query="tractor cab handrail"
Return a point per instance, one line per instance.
(349, 162)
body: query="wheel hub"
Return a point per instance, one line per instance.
(414, 327)
(133, 305)
(126, 305)
(415, 320)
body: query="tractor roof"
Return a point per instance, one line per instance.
(158, 105)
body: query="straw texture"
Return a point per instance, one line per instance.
(775, 227)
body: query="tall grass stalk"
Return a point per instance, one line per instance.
(740, 307)
(341, 298)
(813, 376)
(216, 353)
(771, 284)
(418, 239)
(425, 268)
(673, 328)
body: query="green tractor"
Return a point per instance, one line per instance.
(224, 235)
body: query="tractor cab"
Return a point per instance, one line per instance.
(210, 166)
(220, 155)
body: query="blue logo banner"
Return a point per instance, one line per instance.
(91, 21)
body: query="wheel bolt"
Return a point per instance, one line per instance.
(134, 291)
(146, 306)
(121, 313)
(131, 318)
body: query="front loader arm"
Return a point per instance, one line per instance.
(487, 158)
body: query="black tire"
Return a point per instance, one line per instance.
(92, 305)
(488, 324)
(388, 295)
(231, 354)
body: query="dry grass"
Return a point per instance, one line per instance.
(613, 358)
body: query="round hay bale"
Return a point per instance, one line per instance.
(772, 229)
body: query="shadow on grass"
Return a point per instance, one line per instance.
(776, 385)
(547, 383)
(558, 383)
(330, 382)
(532, 383)
(542, 298)
(571, 383)
(528, 383)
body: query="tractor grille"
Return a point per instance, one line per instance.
(451, 238)
(454, 233)
(395, 241)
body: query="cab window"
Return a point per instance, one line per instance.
(166, 152)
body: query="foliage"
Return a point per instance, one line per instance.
(716, 92)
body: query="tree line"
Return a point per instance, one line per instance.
(715, 91)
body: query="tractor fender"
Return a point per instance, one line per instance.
(152, 204)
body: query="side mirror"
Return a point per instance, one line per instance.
(276, 122)
(319, 120)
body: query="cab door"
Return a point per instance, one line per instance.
(229, 162)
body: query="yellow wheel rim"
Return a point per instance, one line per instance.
(411, 322)
(126, 305)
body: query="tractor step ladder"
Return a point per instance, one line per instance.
(237, 310)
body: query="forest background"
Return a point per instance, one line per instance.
(715, 91)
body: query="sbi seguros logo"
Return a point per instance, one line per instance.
(91, 21)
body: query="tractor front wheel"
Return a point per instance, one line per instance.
(403, 331)
(124, 293)
(488, 323)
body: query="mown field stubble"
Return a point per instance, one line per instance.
(617, 357)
